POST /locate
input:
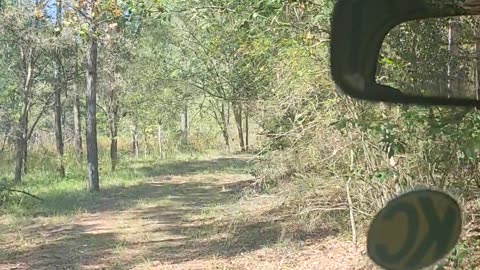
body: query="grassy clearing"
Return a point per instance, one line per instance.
(68, 196)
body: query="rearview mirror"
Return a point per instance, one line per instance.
(366, 65)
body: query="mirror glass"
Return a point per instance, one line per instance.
(433, 58)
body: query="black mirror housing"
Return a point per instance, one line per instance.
(358, 28)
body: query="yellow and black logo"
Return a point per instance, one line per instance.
(415, 230)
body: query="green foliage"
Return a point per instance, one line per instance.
(160, 59)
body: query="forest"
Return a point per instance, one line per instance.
(218, 118)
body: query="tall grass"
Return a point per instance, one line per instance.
(69, 195)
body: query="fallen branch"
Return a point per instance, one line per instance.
(352, 218)
(331, 209)
(362, 212)
(4, 188)
(323, 209)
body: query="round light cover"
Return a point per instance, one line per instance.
(414, 230)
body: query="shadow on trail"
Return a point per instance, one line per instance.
(228, 165)
(75, 245)
(202, 241)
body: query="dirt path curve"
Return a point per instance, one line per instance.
(180, 218)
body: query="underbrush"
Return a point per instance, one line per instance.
(340, 168)
(315, 202)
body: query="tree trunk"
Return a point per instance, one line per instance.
(58, 122)
(58, 132)
(113, 119)
(477, 64)
(7, 140)
(145, 143)
(246, 130)
(184, 122)
(237, 112)
(228, 114)
(220, 118)
(91, 123)
(453, 80)
(4, 142)
(25, 155)
(22, 129)
(226, 138)
(224, 127)
(135, 146)
(159, 140)
(58, 99)
(21, 146)
(114, 151)
(77, 123)
(113, 124)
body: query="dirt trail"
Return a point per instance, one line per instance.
(179, 220)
